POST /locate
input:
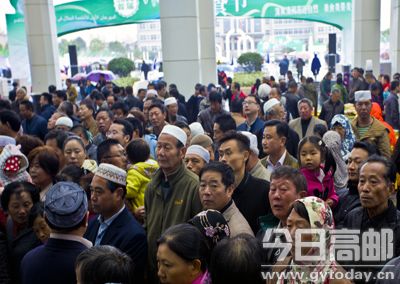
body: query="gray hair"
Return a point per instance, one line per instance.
(305, 101)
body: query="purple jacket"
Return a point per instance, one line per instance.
(324, 189)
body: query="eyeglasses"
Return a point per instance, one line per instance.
(119, 155)
(248, 103)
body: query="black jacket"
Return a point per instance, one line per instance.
(291, 104)
(347, 203)
(251, 197)
(359, 219)
(330, 109)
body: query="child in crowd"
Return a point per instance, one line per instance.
(38, 223)
(13, 166)
(139, 174)
(318, 167)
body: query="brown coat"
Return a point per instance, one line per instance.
(236, 222)
(377, 135)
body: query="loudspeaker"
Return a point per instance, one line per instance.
(73, 59)
(332, 44)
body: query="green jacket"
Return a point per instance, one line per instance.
(182, 204)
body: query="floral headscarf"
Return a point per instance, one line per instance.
(321, 217)
(333, 143)
(349, 137)
(212, 224)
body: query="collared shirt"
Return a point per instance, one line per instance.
(271, 167)
(75, 238)
(104, 224)
(44, 191)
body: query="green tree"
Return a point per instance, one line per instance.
(251, 61)
(96, 46)
(117, 47)
(121, 66)
(63, 46)
(80, 44)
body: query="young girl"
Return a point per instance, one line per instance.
(318, 167)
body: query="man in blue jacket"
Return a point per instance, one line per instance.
(66, 213)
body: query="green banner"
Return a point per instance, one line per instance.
(333, 12)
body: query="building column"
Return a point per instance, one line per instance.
(395, 36)
(208, 63)
(366, 33)
(41, 34)
(180, 43)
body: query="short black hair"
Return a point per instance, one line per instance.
(128, 128)
(237, 106)
(5, 104)
(104, 147)
(136, 125)
(89, 104)
(122, 106)
(282, 128)
(80, 129)
(159, 105)
(215, 97)
(52, 89)
(225, 122)
(368, 147)
(394, 85)
(116, 90)
(227, 175)
(11, 118)
(236, 260)
(104, 264)
(61, 94)
(27, 104)
(17, 187)
(138, 151)
(292, 84)
(390, 168)
(320, 130)
(236, 86)
(109, 112)
(47, 97)
(59, 135)
(291, 174)
(67, 107)
(241, 139)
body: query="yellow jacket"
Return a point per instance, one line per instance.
(138, 177)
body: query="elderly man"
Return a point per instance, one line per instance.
(274, 141)
(157, 117)
(172, 195)
(216, 190)
(115, 225)
(251, 108)
(287, 185)
(206, 142)
(66, 213)
(254, 166)
(332, 106)
(304, 125)
(274, 110)
(367, 128)
(172, 109)
(104, 119)
(196, 158)
(234, 150)
(349, 198)
(377, 211)
(64, 124)
(264, 89)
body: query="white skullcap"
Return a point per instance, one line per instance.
(270, 104)
(199, 151)
(170, 101)
(111, 173)
(64, 121)
(362, 96)
(196, 128)
(253, 141)
(151, 92)
(175, 132)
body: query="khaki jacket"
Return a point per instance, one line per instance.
(295, 124)
(236, 222)
(377, 135)
(288, 161)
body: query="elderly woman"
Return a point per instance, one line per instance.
(310, 213)
(45, 162)
(341, 125)
(17, 200)
(182, 255)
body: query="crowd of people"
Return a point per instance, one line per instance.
(150, 188)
